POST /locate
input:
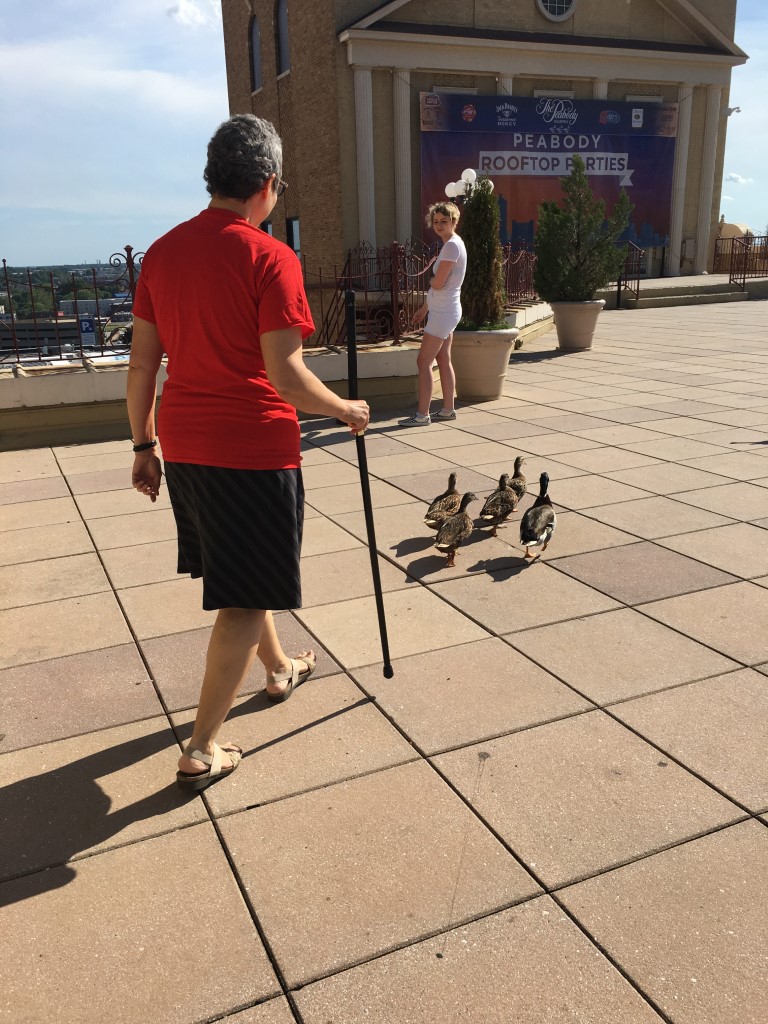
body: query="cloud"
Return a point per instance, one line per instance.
(739, 179)
(195, 13)
(728, 199)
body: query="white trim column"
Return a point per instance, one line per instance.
(366, 196)
(505, 85)
(401, 86)
(707, 184)
(684, 104)
(600, 89)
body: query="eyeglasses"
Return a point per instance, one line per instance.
(281, 187)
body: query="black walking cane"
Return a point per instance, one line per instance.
(362, 462)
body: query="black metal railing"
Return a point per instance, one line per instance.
(741, 258)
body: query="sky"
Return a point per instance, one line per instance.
(106, 109)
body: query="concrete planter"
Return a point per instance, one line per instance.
(480, 359)
(576, 323)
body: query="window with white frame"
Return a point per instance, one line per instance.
(556, 10)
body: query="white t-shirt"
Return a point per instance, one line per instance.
(454, 251)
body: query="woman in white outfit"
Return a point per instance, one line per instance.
(443, 312)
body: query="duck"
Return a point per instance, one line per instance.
(444, 505)
(499, 506)
(538, 523)
(518, 482)
(455, 530)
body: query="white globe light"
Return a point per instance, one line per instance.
(450, 190)
(461, 187)
(469, 176)
(490, 185)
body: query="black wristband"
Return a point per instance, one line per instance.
(146, 446)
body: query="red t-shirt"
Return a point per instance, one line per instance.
(212, 286)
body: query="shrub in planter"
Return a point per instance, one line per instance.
(482, 294)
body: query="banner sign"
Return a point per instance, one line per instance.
(525, 145)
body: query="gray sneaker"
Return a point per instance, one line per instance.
(417, 420)
(445, 414)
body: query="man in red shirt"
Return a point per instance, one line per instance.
(225, 302)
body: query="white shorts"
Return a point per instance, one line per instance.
(441, 322)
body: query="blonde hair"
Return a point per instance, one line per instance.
(447, 209)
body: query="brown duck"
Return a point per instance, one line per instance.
(455, 530)
(444, 505)
(499, 506)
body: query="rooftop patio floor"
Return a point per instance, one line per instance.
(557, 809)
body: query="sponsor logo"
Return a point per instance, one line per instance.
(431, 100)
(506, 115)
(637, 117)
(560, 113)
(469, 112)
(609, 117)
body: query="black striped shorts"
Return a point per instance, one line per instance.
(240, 529)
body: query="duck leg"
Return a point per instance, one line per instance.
(451, 563)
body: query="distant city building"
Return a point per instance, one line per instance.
(87, 307)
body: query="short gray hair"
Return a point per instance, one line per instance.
(242, 154)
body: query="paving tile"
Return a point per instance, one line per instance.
(342, 575)
(50, 700)
(417, 621)
(741, 549)
(400, 531)
(45, 512)
(555, 444)
(732, 619)
(675, 449)
(99, 480)
(687, 407)
(137, 528)
(641, 572)
(522, 596)
(30, 545)
(667, 478)
(95, 463)
(89, 793)
(391, 466)
(737, 500)
(618, 655)
(531, 411)
(344, 873)
(584, 405)
(512, 966)
(349, 497)
(582, 795)
(33, 490)
(311, 456)
(717, 727)
(507, 429)
(655, 517)
(584, 491)
(606, 460)
(739, 465)
(276, 1011)
(138, 890)
(689, 925)
(489, 688)
(434, 441)
(329, 476)
(172, 606)
(630, 414)
(37, 582)
(619, 433)
(471, 455)
(58, 628)
(577, 533)
(328, 732)
(141, 563)
(322, 536)
(101, 504)
(566, 422)
(76, 451)
(684, 426)
(740, 438)
(32, 464)
(739, 417)
(427, 486)
(377, 445)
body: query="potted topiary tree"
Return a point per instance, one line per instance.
(577, 255)
(483, 341)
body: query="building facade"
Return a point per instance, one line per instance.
(344, 80)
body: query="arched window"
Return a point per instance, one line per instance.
(255, 45)
(556, 10)
(281, 36)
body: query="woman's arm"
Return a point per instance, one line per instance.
(284, 363)
(146, 356)
(441, 274)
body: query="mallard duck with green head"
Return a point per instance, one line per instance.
(538, 523)
(455, 530)
(444, 505)
(499, 506)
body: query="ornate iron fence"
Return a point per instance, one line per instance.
(33, 328)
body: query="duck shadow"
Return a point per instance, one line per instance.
(411, 545)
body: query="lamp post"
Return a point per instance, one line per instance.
(463, 187)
